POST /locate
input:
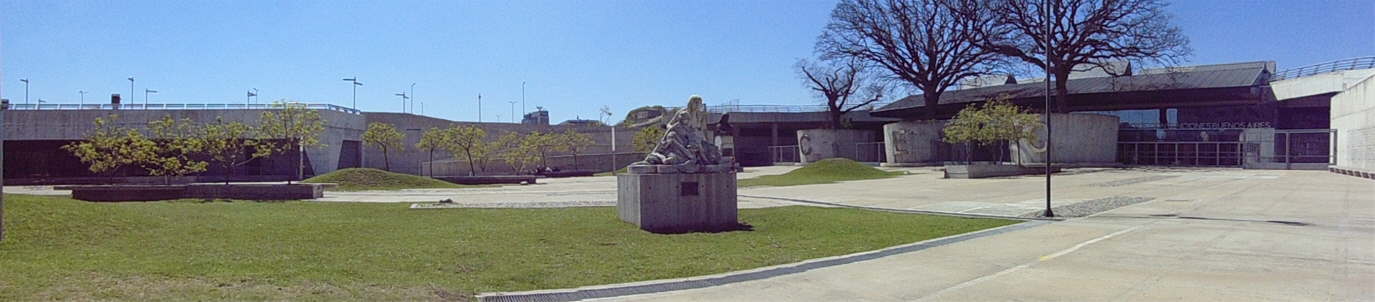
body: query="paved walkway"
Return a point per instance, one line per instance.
(1223, 235)
(1206, 234)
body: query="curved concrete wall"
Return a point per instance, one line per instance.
(819, 144)
(913, 143)
(1353, 115)
(1076, 139)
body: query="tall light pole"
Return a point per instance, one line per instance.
(26, 90)
(513, 111)
(255, 96)
(355, 90)
(131, 90)
(479, 107)
(1046, 10)
(83, 99)
(412, 97)
(403, 101)
(145, 96)
(522, 97)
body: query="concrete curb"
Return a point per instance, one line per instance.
(966, 215)
(658, 286)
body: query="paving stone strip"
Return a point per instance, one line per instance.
(1131, 181)
(515, 205)
(1091, 207)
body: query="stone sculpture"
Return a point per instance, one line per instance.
(685, 146)
(682, 185)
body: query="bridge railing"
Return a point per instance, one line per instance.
(780, 108)
(317, 106)
(1321, 68)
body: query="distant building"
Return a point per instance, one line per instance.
(539, 117)
(579, 122)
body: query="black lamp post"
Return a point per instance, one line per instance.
(355, 90)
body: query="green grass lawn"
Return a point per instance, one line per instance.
(360, 179)
(824, 171)
(56, 248)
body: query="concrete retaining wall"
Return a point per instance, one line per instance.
(1353, 115)
(986, 171)
(592, 162)
(413, 126)
(819, 144)
(1076, 139)
(120, 193)
(914, 143)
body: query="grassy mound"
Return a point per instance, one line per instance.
(825, 171)
(357, 179)
(56, 248)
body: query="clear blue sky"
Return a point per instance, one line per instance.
(575, 56)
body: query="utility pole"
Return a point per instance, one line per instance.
(479, 107)
(355, 90)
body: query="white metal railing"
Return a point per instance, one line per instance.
(784, 154)
(779, 108)
(317, 106)
(1321, 68)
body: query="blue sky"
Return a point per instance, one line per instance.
(574, 56)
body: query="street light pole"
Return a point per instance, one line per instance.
(83, 99)
(1046, 9)
(255, 96)
(513, 111)
(412, 97)
(131, 89)
(403, 101)
(522, 97)
(479, 107)
(26, 90)
(355, 90)
(145, 97)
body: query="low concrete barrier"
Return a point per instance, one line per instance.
(117, 193)
(986, 171)
(489, 180)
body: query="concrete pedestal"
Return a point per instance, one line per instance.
(677, 202)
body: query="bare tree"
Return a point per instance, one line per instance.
(1084, 33)
(929, 44)
(838, 82)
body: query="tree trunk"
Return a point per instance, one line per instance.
(1062, 91)
(575, 160)
(835, 115)
(431, 163)
(472, 171)
(386, 163)
(930, 100)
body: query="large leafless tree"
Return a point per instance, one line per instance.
(1083, 33)
(844, 83)
(929, 44)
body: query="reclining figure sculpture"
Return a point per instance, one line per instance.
(684, 145)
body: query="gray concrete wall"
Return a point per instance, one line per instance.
(21, 125)
(913, 143)
(819, 144)
(413, 126)
(1075, 139)
(600, 162)
(1353, 115)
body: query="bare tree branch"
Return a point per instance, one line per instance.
(1084, 32)
(929, 44)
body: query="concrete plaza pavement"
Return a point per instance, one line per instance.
(1212, 235)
